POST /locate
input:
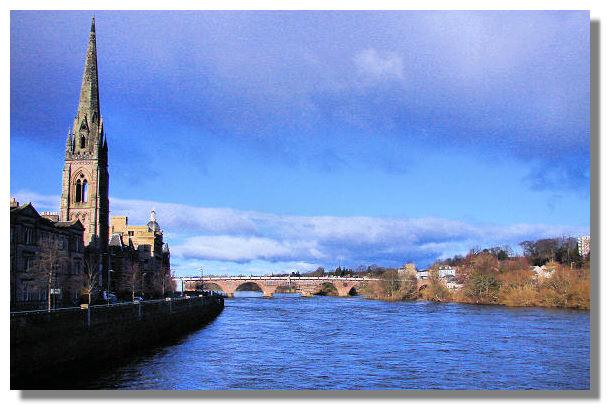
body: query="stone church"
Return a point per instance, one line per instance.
(85, 179)
(84, 210)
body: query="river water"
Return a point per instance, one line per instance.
(289, 342)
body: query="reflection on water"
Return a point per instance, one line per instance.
(289, 342)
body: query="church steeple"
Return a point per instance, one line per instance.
(88, 99)
(85, 178)
(88, 134)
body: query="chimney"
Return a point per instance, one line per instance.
(52, 216)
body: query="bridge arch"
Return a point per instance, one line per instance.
(235, 286)
(327, 288)
(249, 286)
(211, 286)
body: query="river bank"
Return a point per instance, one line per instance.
(49, 347)
(485, 280)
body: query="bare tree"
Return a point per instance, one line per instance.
(131, 278)
(47, 264)
(165, 281)
(90, 276)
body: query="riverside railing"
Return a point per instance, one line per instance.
(103, 314)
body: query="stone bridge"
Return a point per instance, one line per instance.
(306, 286)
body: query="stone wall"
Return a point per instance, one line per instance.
(49, 346)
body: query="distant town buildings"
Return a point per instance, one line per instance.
(584, 245)
(445, 272)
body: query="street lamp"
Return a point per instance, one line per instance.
(109, 285)
(109, 271)
(142, 275)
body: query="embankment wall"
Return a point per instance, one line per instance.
(46, 346)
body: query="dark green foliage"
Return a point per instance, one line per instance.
(482, 288)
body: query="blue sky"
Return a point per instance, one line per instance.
(274, 141)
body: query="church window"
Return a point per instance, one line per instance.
(82, 142)
(84, 190)
(78, 191)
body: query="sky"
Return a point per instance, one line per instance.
(283, 141)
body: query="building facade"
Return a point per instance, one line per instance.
(584, 244)
(46, 258)
(140, 249)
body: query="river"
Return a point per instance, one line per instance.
(289, 342)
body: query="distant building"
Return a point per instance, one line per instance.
(423, 274)
(446, 272)
(407, 271)
(32, 233)
(584, 245)
(138, 244)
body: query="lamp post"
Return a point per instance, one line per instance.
(109, 285)
(142, 275)
(109, 271)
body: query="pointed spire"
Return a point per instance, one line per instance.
(88, 100)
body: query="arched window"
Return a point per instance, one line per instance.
(78, 191)
(82, 141)
(84, 190)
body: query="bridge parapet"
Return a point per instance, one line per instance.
(307, 286)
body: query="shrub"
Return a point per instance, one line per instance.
(435, 289)
(482, 289)
(518, 296)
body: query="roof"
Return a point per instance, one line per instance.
(24, 208)
(116, 240)
(76, 224)
(153, 226)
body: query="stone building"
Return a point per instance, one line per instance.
(584, 244)
(44, 248)
(140, 245)
(85, 178)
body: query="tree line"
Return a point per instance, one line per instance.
(497, 276)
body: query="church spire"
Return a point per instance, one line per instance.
(88, 99)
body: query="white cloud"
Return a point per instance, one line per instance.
(379, 65)
(238, 241)
(40, 202)
(244, 248)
